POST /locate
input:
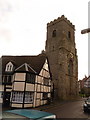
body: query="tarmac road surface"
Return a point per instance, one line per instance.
(69, 110)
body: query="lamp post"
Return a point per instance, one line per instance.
(85, 31)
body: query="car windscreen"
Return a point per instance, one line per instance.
(88, 100)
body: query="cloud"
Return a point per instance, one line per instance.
(5, 9)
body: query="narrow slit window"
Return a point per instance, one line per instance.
(69, 34)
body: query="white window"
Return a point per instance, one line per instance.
(28, 97)
(18, 96)
(9, 67)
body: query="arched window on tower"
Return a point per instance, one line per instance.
(54, 33)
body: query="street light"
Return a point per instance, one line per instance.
(85, 31)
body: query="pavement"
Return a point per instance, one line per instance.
(53, 104)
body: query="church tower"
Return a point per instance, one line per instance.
(62, 55)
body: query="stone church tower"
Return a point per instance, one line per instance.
(62, 56)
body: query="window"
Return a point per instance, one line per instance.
(30, 78)
(7, 78)
(46, 81)
(54, 33)
(45, 96)
(9, 67)
(28, 97)
(53, 48)
(18, 96)
(69, 34)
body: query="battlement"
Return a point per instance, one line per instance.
(60, 19)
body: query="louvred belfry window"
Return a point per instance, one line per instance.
(54, 33)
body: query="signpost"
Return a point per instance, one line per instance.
(85, 31)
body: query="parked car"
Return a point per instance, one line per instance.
(86, 106)
(28, 114)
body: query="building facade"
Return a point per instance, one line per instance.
(26, 81)
(86, 87)
(62, 55)
(82, 84)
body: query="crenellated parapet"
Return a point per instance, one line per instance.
(60, 19)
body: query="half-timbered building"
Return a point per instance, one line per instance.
(26, 80)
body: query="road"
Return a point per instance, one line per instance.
(70, 110)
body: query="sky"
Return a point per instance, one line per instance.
(23, 25)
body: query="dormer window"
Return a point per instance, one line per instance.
(9, 67)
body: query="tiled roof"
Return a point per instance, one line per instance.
(35, 62)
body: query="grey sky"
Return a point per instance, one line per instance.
(23, 26)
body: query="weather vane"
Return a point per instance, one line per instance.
(85, 31)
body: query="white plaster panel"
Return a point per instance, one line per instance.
(46, 89)
(20, 76)
(39, 80)
(38, 95)
(9, 90)
(10, 86)
(49, 89)
(28, 105)
(41, 72)
(46, 74)
(36, 78)
(16, 105)
(1, 100)
(1, 87)
(37, 102)
(42, 102)
(41, 95)
(29, 87)
(49, 95)
(38, 88)
(49, 82)
(45, 65)
(19, 86)
(42, 88)
(45, 101)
